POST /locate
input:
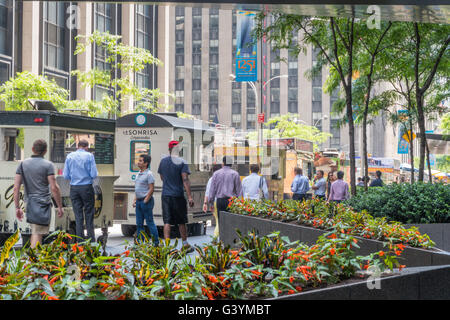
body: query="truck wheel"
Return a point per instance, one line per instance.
(128, 230)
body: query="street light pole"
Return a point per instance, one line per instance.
(257, 106)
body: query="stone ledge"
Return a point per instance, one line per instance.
(229, 222)
(422, 283)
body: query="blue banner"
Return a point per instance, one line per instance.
(246, 56)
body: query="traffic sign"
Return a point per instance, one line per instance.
(261, 118)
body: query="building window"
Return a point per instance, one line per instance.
(196, 72)
(236, 121)
(105, 18)
(214, 71)
(335, 141)
(144, 36)
(5, 27)
(317, 94)
(196, 97)
(213, 96)
(251, 119)
(55, 35)
(196, 109)
(236, 96)
(196, 84)
(213, 111)
(179, 57)
(293, 106)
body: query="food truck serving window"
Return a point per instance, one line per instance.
(138, 148)
(64, 142)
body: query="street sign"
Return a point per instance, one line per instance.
(261, 117)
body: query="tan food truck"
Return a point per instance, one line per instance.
(145, 133)
(18, 131)
(285, 154)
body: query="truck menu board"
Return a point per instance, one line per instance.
(104, 148)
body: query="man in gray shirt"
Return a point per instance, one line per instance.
(320, 185)
(40, 181)
(144, 202)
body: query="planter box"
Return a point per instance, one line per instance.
(422, 283)
(229, 222)
(438, 232)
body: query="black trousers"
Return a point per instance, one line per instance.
(83, 204)
(222, 204)
(299, 197)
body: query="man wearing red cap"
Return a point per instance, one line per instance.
(174, 173)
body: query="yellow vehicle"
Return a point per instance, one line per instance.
(18, 131)
(285, 154)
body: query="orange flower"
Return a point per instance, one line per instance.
(213, 279)
(332, 251)
(52, 281)
(298, 288)
(291, 292)
(291, 279)
(176, 286)
(381, 253)
(401, 267)
(256, 273)
(149, 281)
(333, 236)
(120, 281)
(53, 298)
(127, 253)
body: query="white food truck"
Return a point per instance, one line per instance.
(145, 133)
(61, 131)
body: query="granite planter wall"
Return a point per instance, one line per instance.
(230, 222)
(422, 283)
(438, 232)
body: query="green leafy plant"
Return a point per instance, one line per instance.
(406, 203)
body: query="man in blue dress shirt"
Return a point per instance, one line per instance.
(81, 170)
(300, 185)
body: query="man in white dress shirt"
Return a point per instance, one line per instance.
(253, 184)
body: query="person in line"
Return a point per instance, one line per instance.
(174, 173)
(377, 182)
(300, 185)
(360, 182)
(81, 170)
(330, 179)
(143, 201)
(225, 184)
(320, 185)
(206, 200)
(254, 185)
(339, 189)
(38, 177)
